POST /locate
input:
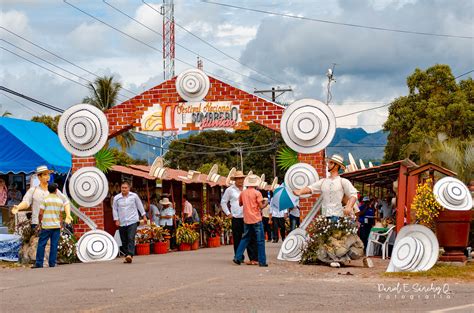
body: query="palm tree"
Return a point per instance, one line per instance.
(6, 114)
(104, 92)
(454, 154)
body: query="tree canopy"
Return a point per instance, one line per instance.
(259, 145)
(435, 103)
(48, 120)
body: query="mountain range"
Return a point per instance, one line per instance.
(362, 145)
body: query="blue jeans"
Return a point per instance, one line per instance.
(44, 236)
(294, 222)
(257, 229)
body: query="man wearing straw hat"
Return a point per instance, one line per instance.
(252, 201)
(333, 190)
(34, 197)
(231, 197)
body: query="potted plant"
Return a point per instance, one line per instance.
(143, 239)
(159, 238)
(195, 244)
(425, 205)
(186, 236)
(212, 227)
(451, 227)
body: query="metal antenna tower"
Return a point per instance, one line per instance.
(167, 10)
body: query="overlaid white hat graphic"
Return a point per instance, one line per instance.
(452, 194)
(416, 249)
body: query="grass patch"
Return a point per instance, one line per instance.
(440, 271)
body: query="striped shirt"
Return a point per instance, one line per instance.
(51, 208)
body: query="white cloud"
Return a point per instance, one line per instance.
(234, 35)
(16, 21)
(90, 38)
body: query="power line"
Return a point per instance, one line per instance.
(22, 104)
(44, 104)
(59, 57)
(49, 70)
(370, 109)
(463, 74)
(144, 43)
(214, 47)
(52, 64)
(338, 23)
(184, 47)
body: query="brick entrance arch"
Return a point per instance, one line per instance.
(127, 115)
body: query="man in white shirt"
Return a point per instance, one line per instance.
(278, 219)
(125, 209)
(333, 189)
(231, 198)
(167, 219)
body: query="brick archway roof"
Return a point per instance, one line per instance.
(127, 115)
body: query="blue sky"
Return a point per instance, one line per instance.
(371, 70)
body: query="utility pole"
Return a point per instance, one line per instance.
(239, 147)
(330, 76)
(274, 91)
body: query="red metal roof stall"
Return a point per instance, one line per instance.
(401, 177)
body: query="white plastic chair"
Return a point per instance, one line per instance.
(374, 240)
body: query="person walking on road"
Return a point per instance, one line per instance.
(125, 209)
(231, 198)
(252, 202)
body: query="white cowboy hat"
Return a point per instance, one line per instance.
(338, 159)
(42, 169)
(416, 249)
(452, 194)
(252, 181)
(165, 201)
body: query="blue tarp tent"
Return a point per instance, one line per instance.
(24, 145)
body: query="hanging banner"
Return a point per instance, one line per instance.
(191, 116)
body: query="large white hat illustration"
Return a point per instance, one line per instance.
(88, 186)
(416, 249)
(301, 175)
(308, 126)
(96, 245)
(452, 194)
(192, 85)
(83, 130)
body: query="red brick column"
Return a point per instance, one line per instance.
(317, 160)
(95, 213)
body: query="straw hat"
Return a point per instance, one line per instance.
(238, 174)
(165, 201)
(252, 181)
(338, 159)
(42, 169)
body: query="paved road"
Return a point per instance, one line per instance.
(206, 280)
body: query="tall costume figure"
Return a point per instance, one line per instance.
(34, 197)
(333, 190)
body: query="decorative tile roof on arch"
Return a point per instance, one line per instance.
(127, 115)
